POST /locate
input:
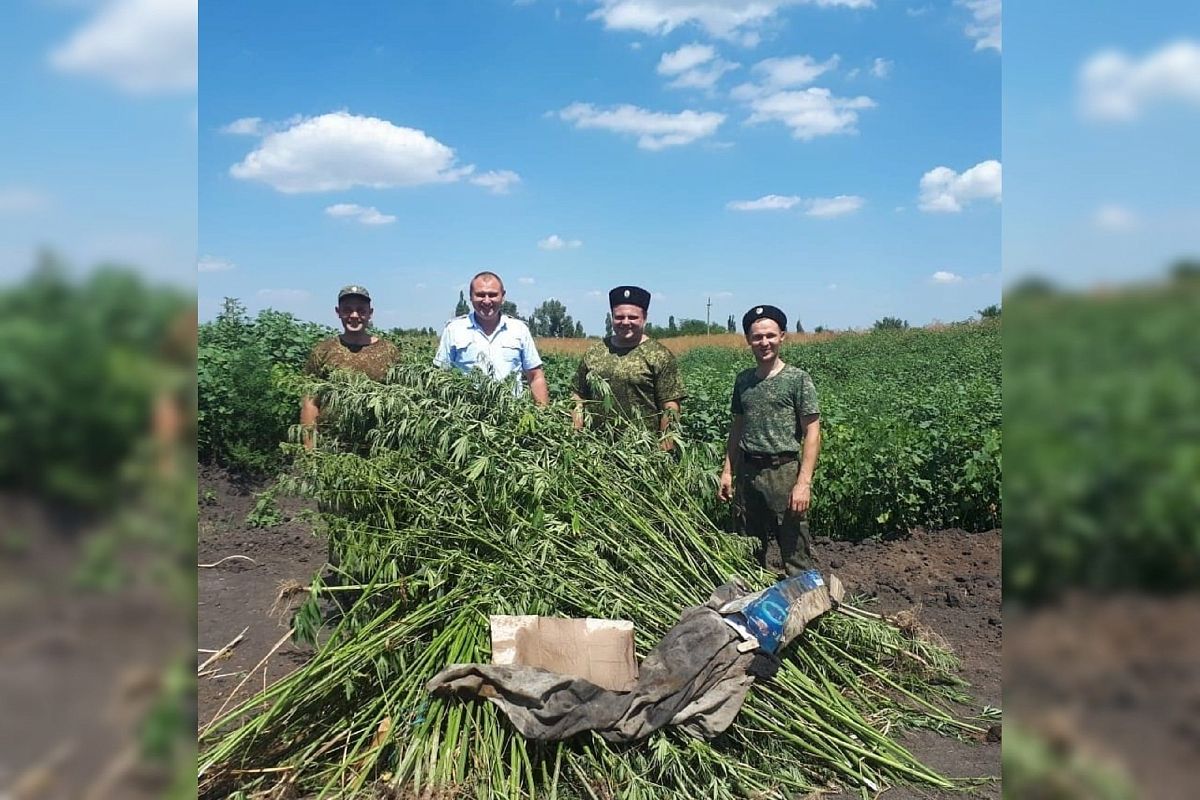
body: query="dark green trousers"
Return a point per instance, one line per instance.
(764, 494)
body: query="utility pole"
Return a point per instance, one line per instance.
(707, 315)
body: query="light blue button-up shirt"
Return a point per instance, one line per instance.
(464, 346)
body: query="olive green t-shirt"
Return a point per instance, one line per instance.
(772, 408)
(643, 380)
(331, 354)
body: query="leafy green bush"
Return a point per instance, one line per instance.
(891, 324)
(1101, 399)
(81, 364)
(247, 372)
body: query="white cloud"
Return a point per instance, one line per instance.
(1115, 218)
(340, 150)
(140, 46)
(687, 57)
(705, 78)
(595, 293)
(941, 276)
(832, 287)
(655, 130)
(21, 200)
(881, 68)
(783, 73)
(496, 181)
(813, 206)
(421, 286)
(695, 66)
(810, 112)
(720, 295)
(919, 11)
(213, 264)
(367, 215)
(944, 190)
(770, 202)
(246, 126)
(985, 23)
(1115, 87)
(285, 296)
(739, 20)
(526, 280)
(556, 242)
(833, 206)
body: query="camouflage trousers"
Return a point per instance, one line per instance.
(763, 494)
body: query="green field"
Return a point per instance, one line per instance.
(911, 419)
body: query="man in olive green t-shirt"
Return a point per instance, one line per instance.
(354, 349)
(641, 374)
(773, 444)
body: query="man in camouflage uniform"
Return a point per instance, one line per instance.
(640, 373)
(354, 349)
(773, 444)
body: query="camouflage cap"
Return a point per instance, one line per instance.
(353, 289)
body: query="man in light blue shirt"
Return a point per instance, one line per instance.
(493, 342)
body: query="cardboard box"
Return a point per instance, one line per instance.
(597, 650)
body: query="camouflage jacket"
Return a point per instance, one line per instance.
(772, 407)
(642, 379)
(331, 354)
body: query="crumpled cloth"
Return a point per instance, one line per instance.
(695, 679)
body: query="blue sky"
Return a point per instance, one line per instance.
(1100, 154)
(100, 135)
(748, 152)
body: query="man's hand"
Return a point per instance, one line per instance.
(577, 412)
(725, 492)
(308, 422)
(800, 499)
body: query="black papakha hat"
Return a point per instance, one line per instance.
(764, 312)
(631, 295)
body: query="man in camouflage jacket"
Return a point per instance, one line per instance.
(354, 349)
(628, 375)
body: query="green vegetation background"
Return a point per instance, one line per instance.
(911, 418)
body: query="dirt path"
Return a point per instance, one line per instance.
(953, 575)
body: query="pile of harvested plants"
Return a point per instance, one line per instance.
(456, 501)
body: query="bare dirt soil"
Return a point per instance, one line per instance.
(951, 577)
(951, 580)
(1114, 678)
(239, 597)
(80, 668)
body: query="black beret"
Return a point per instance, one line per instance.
(764, 312)
(629, 295)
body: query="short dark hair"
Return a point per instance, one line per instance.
(485, 274)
